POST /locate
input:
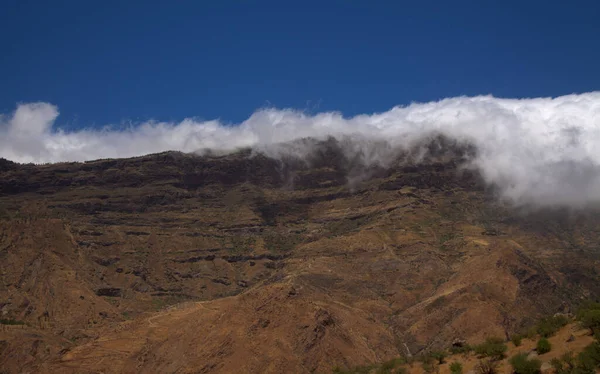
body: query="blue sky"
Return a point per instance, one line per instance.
(105, 62)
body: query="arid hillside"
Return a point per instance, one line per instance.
(178, 263)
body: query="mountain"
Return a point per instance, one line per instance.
(243, 262)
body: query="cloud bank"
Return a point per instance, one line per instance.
(544, 151)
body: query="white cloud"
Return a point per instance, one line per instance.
(543, 150)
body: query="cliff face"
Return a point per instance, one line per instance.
(182, 263)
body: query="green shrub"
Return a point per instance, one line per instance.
(589, 359)
(439, 356)
(11, 322)
(517, 340)
(543, 346)
(522, 365)
(565, 364)
(493, 348)
(456, 368)
(547, 327)
(586, 307)
(455, 350)
(590, 319)
(587, 362)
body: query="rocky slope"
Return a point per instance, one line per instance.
(181, 263)
(571, 339)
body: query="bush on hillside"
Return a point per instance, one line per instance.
(588, 361)
(439, 356)
(586, 307)
(590, 319)
(547, 327)
(522, 365)
(565, 364)
(493, 348)
(389, 366)
(543, 346)
(460, 349)
(516, 340)
(456, 368)
(11, 322)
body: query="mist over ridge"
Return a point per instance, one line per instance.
(542, 151)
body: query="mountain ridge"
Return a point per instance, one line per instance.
(348, 270)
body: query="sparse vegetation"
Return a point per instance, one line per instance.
(487, 366)
(456, 368)
(344, 226)
(588, 361)
(440, 356)
(462, 349)
(547, 327)
(516, 340)
(365, 369)
(11, 322)
(451, 240)
(276, 242)
(589, 317)
(388, 366)
(494, 348)
(159, 302)
(428, 363)
(543, 346)
(565, 364)
(242, 243)
(267, 211)
(523, 365)
(436, 304)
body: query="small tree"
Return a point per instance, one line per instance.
(522, 365)
(590, 319)
(586, 307)
(493, 348)
(547, 327)
(565, 364)
(439, 356)
(588, 361)
(460, 349)
(456, 368)
(543, 346)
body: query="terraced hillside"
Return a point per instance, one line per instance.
(243, 263)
